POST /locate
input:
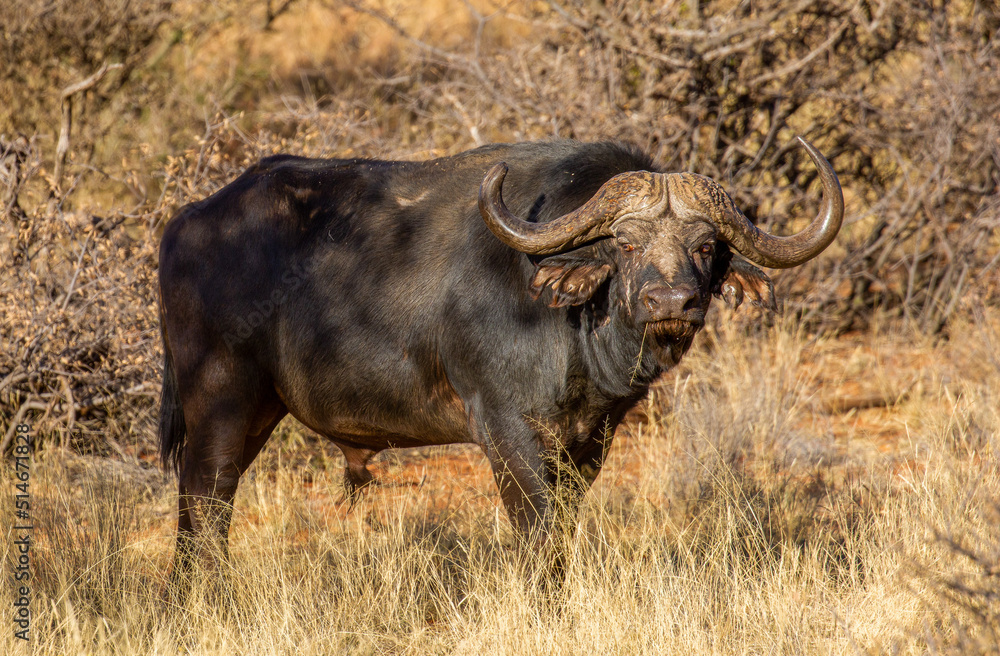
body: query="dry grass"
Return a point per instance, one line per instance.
(736, 515)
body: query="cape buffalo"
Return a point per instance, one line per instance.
(521, 297)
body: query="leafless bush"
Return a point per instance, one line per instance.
(79, 338)
(49, 45)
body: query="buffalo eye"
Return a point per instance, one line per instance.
(625, 245)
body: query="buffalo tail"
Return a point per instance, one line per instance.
(172, 427)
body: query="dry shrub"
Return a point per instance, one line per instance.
(47, 46)
(79, 340)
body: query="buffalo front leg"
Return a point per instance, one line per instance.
(527, 481)
(542, 486)
(578, 470)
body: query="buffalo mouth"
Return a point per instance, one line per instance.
(673, 328)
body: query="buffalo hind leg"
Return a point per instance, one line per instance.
(223, 441)
(207, 488)
(356, 474)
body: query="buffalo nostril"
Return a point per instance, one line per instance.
(666, 301)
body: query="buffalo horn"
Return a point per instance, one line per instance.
(755, 244)
(635, 191)
(625, 192)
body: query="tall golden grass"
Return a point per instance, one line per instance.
(737, 514)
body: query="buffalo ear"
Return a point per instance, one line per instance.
(573, 277)
(743, 280)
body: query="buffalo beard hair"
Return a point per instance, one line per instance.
(673, 329)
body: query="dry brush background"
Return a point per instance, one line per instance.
(823, 481)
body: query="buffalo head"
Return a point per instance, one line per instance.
(662, 241)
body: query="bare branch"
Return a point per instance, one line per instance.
(66, 98)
